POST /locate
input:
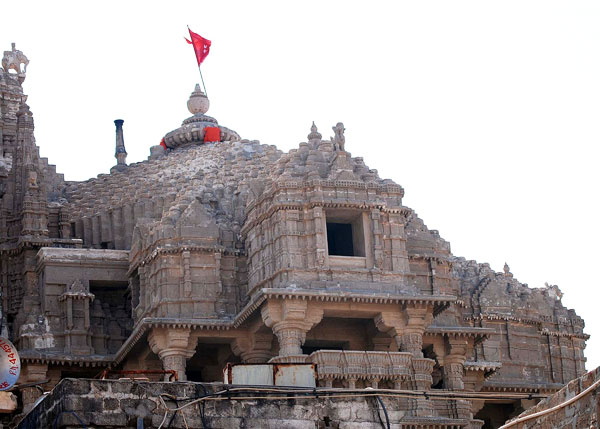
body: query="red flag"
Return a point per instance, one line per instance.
(201, 46)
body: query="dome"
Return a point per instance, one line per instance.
(194, 128)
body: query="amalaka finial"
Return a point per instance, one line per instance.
(198, 102)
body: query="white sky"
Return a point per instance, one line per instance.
(486, 112)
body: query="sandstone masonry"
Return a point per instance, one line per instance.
(233, 251)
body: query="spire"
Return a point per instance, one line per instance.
(314, 134)
(120, 152)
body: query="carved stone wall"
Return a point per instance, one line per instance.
(536, 338)
(583, 412)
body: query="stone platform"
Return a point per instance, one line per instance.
(135, 404)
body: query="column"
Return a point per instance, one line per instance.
(290, 320)
(291, 336)
(253, 347)
(174, 346)
(418, 316)
(454, 362)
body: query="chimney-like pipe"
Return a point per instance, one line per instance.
(120, 152)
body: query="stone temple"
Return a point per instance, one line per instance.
(226, 250)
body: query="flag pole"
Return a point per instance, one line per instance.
(205, 92)
(200, 70)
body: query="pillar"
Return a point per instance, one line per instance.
(418, 317)
(407, 326)
(120, 152)
(454, 362)
(174, 346)
(290, 320)
(253, 347)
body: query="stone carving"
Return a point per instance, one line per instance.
(553, 291)
(338, 139)
(507, 272)
(76, 287)
(13, 59)
(314, 135)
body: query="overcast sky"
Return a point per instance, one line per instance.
(485, 112)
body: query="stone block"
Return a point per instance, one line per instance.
(359, 425)
(76, 386)
(8, 402)
(106, 419)
(110, 404)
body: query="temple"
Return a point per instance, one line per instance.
(230, 251)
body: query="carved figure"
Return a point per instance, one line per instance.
(338, 139)
(13, 60)
(553, 291)
(507, 272)
(32, 179)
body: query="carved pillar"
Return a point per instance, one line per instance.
(290, 335)
(422, 379)
(411, 342)
(320, 230)
(454, 362)
(578, 346)
(64, 224)
(418, 317)
(407, 327)
(253, 347)
(394, 323)
(453, 375)
(32, 373)
(290, 320)
(174, 346)
(377, 239)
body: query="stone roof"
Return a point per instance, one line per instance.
(220, 177)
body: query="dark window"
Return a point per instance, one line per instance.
(311, 346)
(339, 239)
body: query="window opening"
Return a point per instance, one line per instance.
(345, 233)
(339, 239)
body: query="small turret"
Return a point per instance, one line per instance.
(120, 152)
(314, 136)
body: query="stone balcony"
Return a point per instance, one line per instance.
(351, 368)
